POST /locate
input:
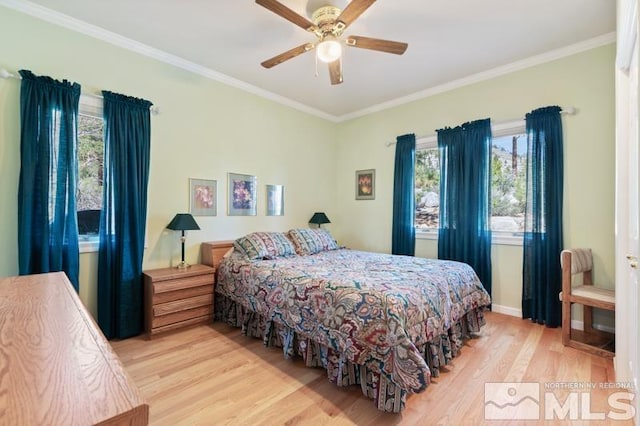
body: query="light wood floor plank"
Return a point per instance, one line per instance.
(211, 374)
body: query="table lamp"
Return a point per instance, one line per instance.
(319, 218)
(183, 222)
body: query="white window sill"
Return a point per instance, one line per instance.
(426, 235)
(498, 238)
(89, 244)
(506, 239)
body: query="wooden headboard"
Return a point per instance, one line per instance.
(212, 252)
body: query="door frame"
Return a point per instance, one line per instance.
(627, 246)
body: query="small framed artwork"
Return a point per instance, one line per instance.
(241, 194)
(275, 200)
(366, 184)
(203, 197)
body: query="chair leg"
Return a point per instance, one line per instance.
(566, 322)
(588, 319)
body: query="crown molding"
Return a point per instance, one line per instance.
(489, 74)
(99, 33)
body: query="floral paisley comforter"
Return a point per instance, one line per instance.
(375, 309)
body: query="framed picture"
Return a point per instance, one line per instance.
(241, 195)
(203, 197)
(365, 184)
(275, 200)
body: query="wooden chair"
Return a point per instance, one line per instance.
(597, 342)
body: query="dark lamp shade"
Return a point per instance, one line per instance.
(183, 222)
(319, 218)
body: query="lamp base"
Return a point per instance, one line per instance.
(183, 265)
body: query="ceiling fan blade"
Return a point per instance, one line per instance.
(388, 46)
(354, 9)
(288, 14)
(289, 54)
(335, 71)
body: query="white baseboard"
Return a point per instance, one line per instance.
(507, 310)
(575, 324)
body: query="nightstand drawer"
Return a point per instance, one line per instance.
(182, 304)
(181, 316)
(206, 319)
(182, 294)
(182, 283)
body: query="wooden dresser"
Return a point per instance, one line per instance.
(175, 298)
(56, 367)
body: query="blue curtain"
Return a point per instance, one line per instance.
(541, 274)
(124, 214)
(403, 238)
(465, 196)
(47, 223)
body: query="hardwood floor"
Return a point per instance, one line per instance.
(211, 374)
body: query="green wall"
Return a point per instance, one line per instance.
(207, 129)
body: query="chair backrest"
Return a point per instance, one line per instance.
(581, 260)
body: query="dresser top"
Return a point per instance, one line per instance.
(56, 367)
(163, 274)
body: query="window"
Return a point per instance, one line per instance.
(90, 167)
(508, 183)
(90, 170)
(427, 185)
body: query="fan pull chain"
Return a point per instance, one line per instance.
(316, 58)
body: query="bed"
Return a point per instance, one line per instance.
(385, 322)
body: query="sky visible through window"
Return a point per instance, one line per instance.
(506, 143)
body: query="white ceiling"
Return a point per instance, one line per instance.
(449, 40)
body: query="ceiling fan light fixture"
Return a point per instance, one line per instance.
(329, 49)
(328, 23)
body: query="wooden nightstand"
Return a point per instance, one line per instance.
(175, 298)
(213, 251)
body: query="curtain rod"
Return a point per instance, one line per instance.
(6, 74)
(565, 111)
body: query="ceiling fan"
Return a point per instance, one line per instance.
(328, 23)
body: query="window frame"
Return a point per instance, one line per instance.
(497, 130)
(93, 107)
(423, 143)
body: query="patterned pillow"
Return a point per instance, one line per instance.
(311, 241)
(264, 245)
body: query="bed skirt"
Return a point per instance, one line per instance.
(386, 395)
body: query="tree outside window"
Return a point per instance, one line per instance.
(90, 163)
